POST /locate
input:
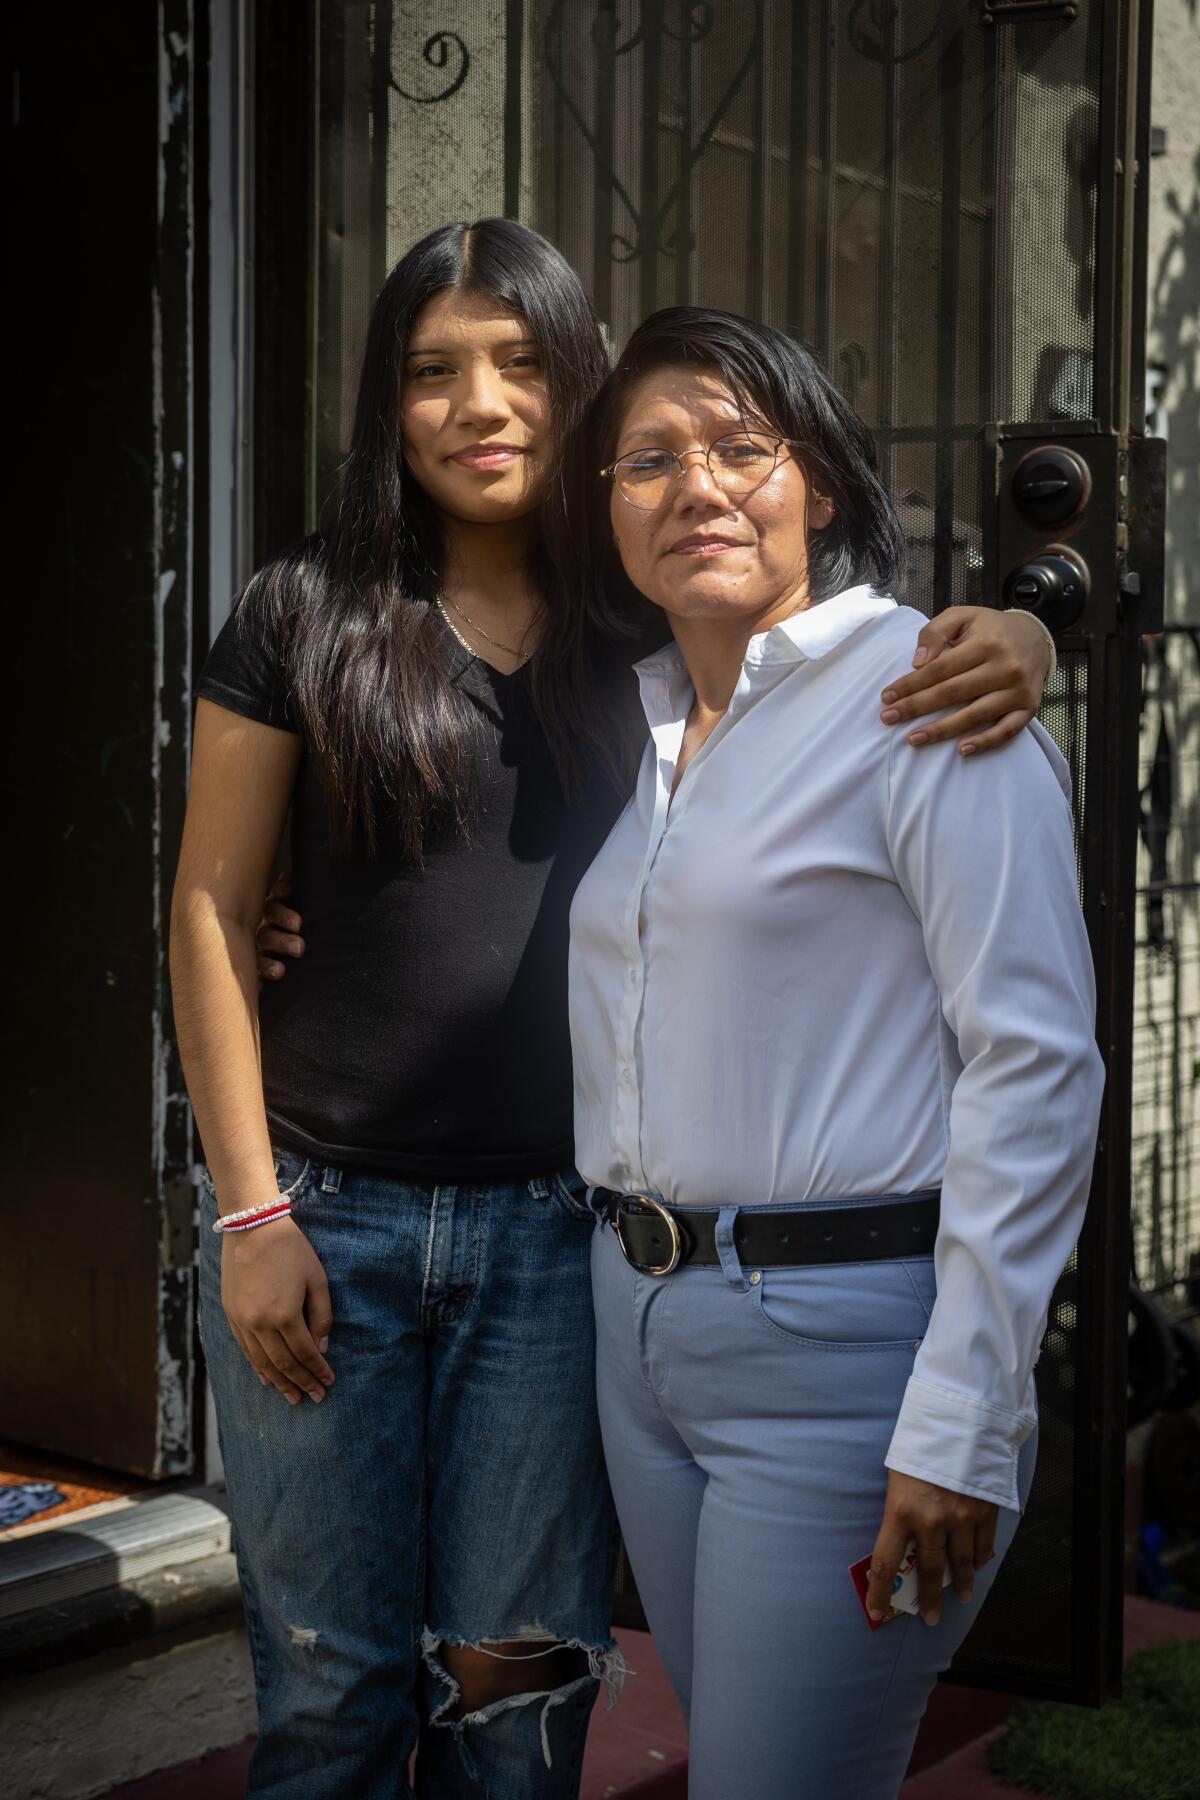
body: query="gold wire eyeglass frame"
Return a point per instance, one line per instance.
(777, 444)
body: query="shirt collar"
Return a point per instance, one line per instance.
(804, 637)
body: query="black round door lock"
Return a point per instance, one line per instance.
(1050, 485)
(1054, 587)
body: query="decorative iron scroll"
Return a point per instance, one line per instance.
(647, 235)
(881, 18)
(436, 52)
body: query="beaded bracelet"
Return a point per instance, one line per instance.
(252, 1216)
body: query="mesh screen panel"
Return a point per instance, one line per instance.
(1166, 1088)
(912, 195)
(1047, 157)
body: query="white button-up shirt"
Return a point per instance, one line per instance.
(836, 966)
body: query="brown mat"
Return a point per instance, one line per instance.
(82, 1483)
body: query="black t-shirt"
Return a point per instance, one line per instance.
(424, 1031)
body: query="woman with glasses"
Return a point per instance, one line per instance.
(836, 1086)
(395, 1310)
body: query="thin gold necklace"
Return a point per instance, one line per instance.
(522, 655)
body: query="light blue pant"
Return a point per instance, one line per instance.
(745, 1425)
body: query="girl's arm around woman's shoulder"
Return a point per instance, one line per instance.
(984, 671)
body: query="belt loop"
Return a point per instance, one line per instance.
(731, 1265)
(331, 1181)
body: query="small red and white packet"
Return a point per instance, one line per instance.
(904, 1587)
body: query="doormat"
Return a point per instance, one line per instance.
(78, 1484)
(1144, 1746)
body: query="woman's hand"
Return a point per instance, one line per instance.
(278, 930)
(276, 1299)
(946, 1527)
(990, 666)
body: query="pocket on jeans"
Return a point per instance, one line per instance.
(570, 1190)
(290, 1170)
(849, 1306)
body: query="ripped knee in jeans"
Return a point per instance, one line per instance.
(484, 1678)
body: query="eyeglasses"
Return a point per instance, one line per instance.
(738, 464)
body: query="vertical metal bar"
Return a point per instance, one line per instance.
(514, 48)
(888, 274)
(1104, 1248)
(950, 67)
(604, 41)
(330, 245)
(312, 110)
(683, 210)
(823, 245)
(651, 47)
(760, 169)
(989, 273)
(1139, 248)
(380, 78)
(796, 321)
(1004, 195)
(1108, 19)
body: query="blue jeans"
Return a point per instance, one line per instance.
(745, 1425)
(449, 1490)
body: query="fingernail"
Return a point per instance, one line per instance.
(931, 1618)
(874, 1614)
(890, 716)
(966, 1597)
(922, 656)
(317, 1394)
(966, 749)
(918, 737)
(889, 694)
(323, 1345)
(292, 1399)
(293, 923)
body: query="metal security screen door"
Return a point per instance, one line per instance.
(940, 198)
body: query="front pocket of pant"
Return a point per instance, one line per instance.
(570, 1191)
(848, 1306)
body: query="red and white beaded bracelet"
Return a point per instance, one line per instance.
(252, 1216)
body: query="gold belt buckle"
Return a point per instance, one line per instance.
(655, 1206)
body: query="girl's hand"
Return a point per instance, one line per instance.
(947, 1528)
(276, 1299)
(278, 932)
(990, 666)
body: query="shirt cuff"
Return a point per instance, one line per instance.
(959, 1443)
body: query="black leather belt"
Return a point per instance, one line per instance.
(658, 1239)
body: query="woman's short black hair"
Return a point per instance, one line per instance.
(778, 384)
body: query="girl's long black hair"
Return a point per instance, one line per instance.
(778, 383)
(368, 661)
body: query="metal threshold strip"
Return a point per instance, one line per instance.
(109, 1550)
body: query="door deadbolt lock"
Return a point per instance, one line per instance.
(1050, 485)
(1053, 587)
